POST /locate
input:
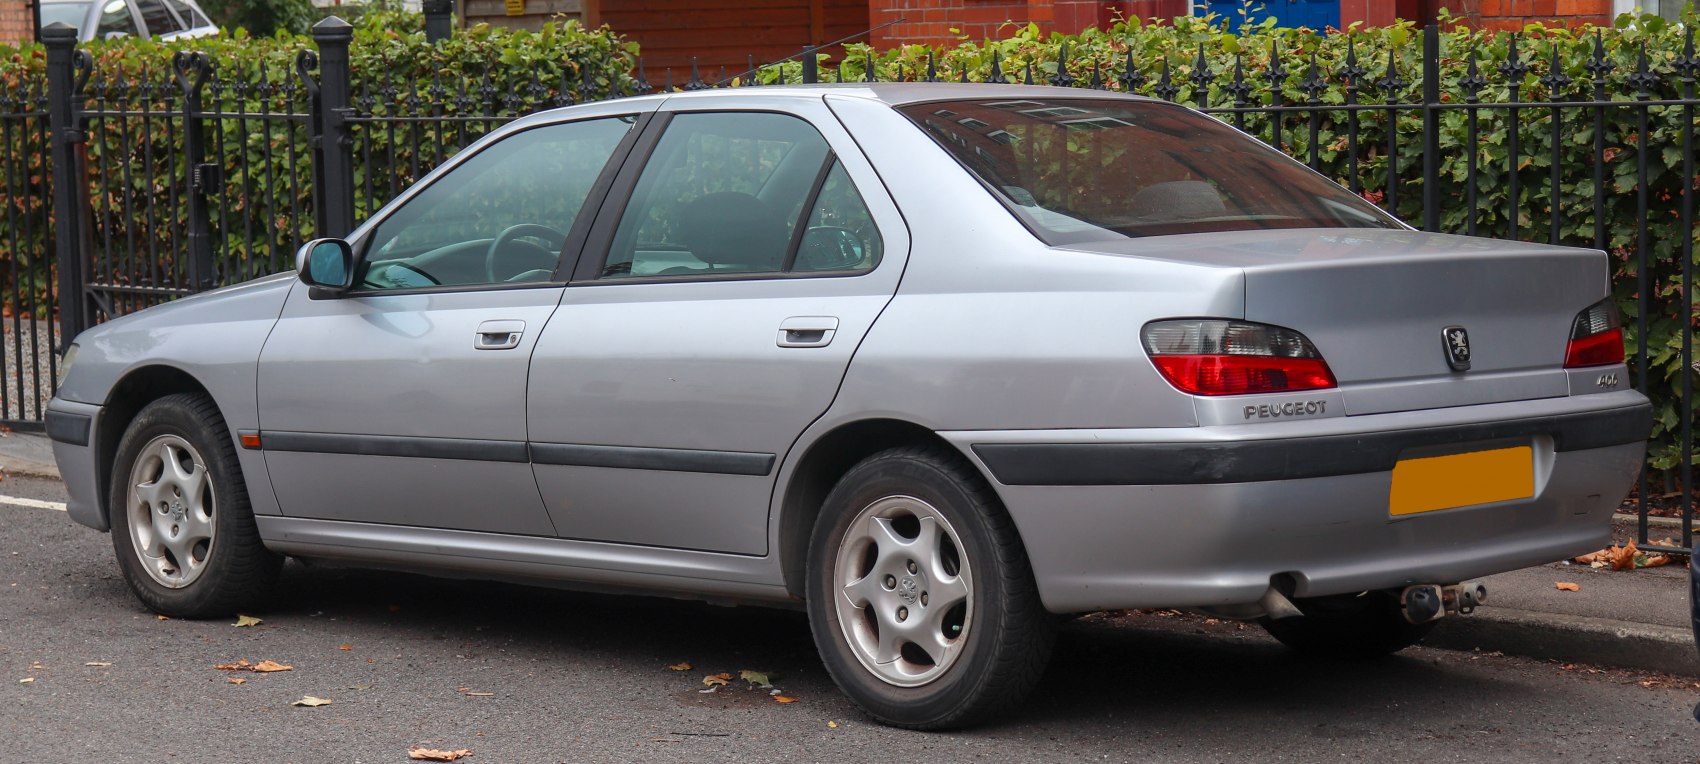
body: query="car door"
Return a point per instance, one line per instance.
(721, 296)
(403, 400)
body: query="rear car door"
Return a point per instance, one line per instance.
(403, 401)
(728, 281)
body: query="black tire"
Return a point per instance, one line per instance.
(238, 570)
(1006, 638)
(1353, 626)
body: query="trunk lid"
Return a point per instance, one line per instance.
(1375, 303)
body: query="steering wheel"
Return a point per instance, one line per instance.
(555, 238)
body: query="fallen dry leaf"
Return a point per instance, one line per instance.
(431, 754)
(241, 665)
(346, 647)
(757, 678)
(716, 680)
(1566, 586)
(98, 663)
(1623, 557)
(784, 699)
(832, 724)
(681, 666)
(163, 617)
(236, 680)
(247, 620)
(312, 702)
(266, 667)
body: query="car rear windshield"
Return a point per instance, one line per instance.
(1078, 170)
(69, 14)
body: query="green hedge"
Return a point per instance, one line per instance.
(515, 71)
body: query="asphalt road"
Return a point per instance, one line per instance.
(519, 674)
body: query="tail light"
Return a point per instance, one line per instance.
(1217, 357)
(1596, 339)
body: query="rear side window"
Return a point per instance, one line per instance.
(189, 14)
(116, 21)
(158, 20)
(1076, 170)
(733, 193)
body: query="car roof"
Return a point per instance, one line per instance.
(901, 93)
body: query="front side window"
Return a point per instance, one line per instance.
(500, 217)
(1076, 170)
(727, 193)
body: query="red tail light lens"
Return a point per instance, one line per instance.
(1216, 357)
(1596, 339)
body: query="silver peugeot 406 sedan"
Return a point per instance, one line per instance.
(939, 363)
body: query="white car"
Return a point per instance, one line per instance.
(147, 19)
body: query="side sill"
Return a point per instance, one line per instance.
(528, 558)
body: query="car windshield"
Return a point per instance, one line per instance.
(70, 14)
(1077, 170)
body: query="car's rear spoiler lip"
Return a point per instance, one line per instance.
(1251, 461)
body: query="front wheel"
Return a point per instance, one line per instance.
(920, 596)
(1348, 626)
(181, 526)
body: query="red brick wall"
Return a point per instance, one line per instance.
(929, 22)
(15, 20)
(1514, 14)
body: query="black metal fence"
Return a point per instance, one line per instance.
(148, 207)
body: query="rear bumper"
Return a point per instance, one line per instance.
(1205, 516)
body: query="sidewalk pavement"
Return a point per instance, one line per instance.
(1625, 619)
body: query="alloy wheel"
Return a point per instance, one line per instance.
(905, 591)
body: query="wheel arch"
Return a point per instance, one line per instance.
(133, 392)
(818, 470)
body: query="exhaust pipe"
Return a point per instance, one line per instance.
(1431, 602)
(1276, 605)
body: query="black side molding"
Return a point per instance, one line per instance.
(1287, 459)
(68, 428)
(392, 445)
(565, 454)
(665, 459)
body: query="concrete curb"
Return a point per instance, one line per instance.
(1599, 641)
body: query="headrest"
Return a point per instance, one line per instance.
(1178, 200)
(730, 228)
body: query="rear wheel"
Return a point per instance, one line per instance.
(181, 527)
(1348, 626)
(919, 593)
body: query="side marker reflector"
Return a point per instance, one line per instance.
(250, 440)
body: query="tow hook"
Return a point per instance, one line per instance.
(1431, 602)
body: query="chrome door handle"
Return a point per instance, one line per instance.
(499, 335)
(807, 331)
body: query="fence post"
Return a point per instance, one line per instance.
(811, 66)
(63, 122)
(192, 69)
(336, 165)
(439, 19)
(1431, 128)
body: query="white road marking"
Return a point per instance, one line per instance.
(32, 503)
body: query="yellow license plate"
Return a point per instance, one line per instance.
(1462, 480)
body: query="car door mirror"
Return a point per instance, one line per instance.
(326, 265)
